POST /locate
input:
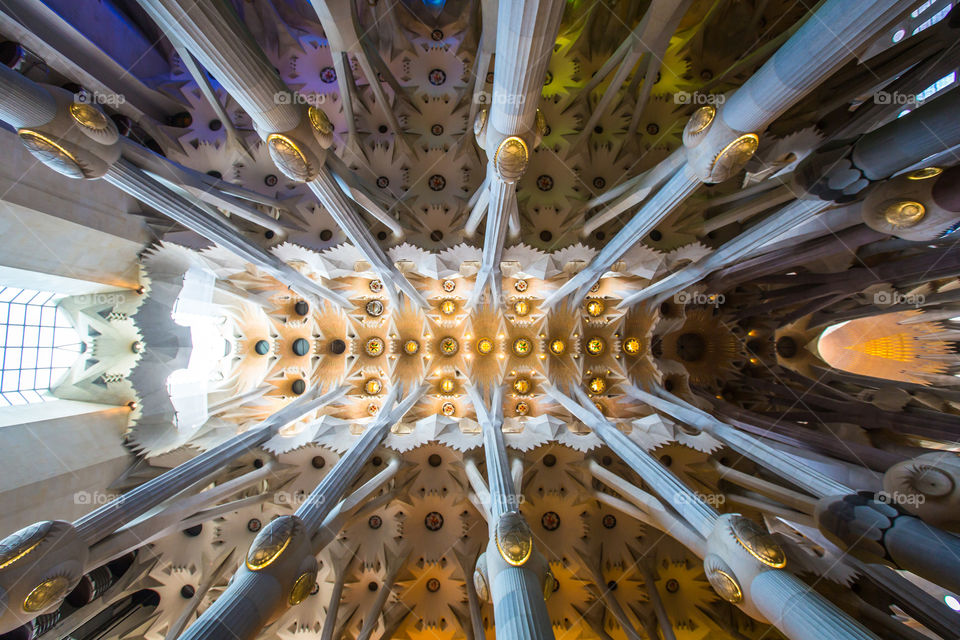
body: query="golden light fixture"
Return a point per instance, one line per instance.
(447, 385)
(758, 542)
(373, 386)
(514, 538)
(449, 346)
(597, 385)
(596, 346)
(521, 307)
(522, 346)
(271, 542)
(522, 408)
(484, 346)
(903, 213)
(557, 347)
(925, 173)
(46, 593)
(411, 347)
(631, 346)
(374, 347)
(522, 386)
(595, 307)
(448, 307)
(302, 587)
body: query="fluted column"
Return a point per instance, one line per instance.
(29, 587)
(24, 103)
(527, 30)
(514, 574)
(718, 142)
(281, 568)
(297, 136)
(738, 551)
(127, 177)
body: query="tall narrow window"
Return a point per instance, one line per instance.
(38, 345)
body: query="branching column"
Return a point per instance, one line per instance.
(717, 143)
(297, 136)
(527, 30)
(281, 568)
(43, 562)
(511, 572)
(739, 552)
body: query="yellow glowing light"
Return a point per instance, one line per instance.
(484, 346)
(374, 347)
(521, 307)
(522, 346)
(522, 386)
(46, 593)
(557, 347)
(925, 173)
(448, 307)
(372, 386)
(596, 346)
(595, 307)
(597, 385)
(631, 346)
(449, 346)
(447, 385)
(410, 347)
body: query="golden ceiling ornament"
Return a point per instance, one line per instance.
(411, 347)
(557, 347)
(290, 159)
(46, 593)
(595, 307)
(448, 307)
(903, 214)
(53, 154)
(514, 538)
(522, 347)
(732, 157)
(19, 544)
(484, 346)
(373, 409)
(596, 346)
(522, 408)
(632, 346)
(597, 385)
(373, 386)
(521, 307)
(540, 122)
(374, 347)
(480, 122)
(700, 120)
(758, 542)
(448, 409)
(89, 117)
(520, 285)
(448, 285)
(511, 158)
(447, 385)
(925, 173)
(271, 542)
(449, 346)
(320, 121)
(302, 587)
(522, 386)
(721, 578)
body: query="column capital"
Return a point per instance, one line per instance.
(716, 152)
